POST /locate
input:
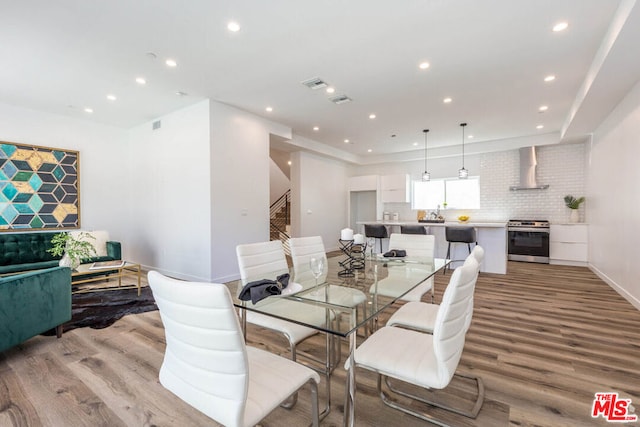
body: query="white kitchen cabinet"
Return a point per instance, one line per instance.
(568, 244)
(395, 188)
(363, 183)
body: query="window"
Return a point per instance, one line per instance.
(427, 195)
(457, 193)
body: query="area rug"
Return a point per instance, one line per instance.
(101, 309)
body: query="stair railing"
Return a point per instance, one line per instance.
(280, 217)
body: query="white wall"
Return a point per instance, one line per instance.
(169, 187)
(240, 161)
(319, 197)
(279, 183)
(613, 203)
(102, 185)
(560, 166)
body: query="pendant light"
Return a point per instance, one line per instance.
(463, 173)
(426, 176)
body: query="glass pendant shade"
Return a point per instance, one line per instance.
(426, 176)
(463, 173)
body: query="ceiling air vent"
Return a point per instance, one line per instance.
(340, 99)
(315, 83)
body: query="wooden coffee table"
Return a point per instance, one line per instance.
(85, 275)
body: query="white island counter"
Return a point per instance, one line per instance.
(492, 236)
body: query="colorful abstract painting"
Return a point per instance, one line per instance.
(39, 187)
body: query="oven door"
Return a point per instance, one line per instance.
(529, 244)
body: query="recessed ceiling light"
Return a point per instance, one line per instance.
(539, 126)
(447, 100)
(269, 109)
(550, 78)
(543, 108)
(415, 144)
(171, 63)
(141, 81)
(289, 162)
(233, 26)
(372, 116)
(346, 141)
(316, 128)
(470, 137)
(560, 26)
(111, 97)
(180, 93)
(330, 90)
(424, 65)
(369, 150)
(88, 110)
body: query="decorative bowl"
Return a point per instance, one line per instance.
(463, 218)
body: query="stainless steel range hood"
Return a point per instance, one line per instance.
(528, 165)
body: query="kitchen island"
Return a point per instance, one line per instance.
(492, 236)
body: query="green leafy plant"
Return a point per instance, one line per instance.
(573, 203)
(75, 248)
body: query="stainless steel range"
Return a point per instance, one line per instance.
(528, 240)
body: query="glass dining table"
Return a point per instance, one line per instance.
(340, 299)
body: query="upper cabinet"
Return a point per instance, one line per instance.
(363, 183)
(395, 188)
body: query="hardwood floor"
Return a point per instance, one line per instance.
(543, 338)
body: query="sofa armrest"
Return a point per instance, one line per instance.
(114, 250)
(32, 303)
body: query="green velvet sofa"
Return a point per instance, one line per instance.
(21, 252)
(32, 303)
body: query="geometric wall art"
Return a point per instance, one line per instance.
(39, 187)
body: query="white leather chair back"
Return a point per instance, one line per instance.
(205, 362)
(478, 253)
(450, 325)
(302, 250)
(416, 245)
(263, 260)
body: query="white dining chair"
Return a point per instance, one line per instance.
(424, 360)
(267, 260)
(421, 316)
(420, 247)
(207, 364)
(302, 250)
(305, 248)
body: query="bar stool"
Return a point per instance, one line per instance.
(377, 231)
(459, 235)
(413, 229)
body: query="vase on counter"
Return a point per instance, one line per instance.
(575, 216)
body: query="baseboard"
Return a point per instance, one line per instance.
(191, 278)
(619, 289)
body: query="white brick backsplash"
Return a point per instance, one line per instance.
(560, 166)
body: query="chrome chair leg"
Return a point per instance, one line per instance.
(472, 413)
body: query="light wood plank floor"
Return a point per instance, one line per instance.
(543, 338)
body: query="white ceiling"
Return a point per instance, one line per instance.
(489, 56)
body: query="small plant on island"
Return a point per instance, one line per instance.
(572, 202)
(64, 244)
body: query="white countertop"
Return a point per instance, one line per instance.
(439, 224)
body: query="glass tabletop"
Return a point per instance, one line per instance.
(340, 305)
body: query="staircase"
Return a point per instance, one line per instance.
(280, 220)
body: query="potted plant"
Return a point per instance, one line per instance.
(72, 249)
(573, 204)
